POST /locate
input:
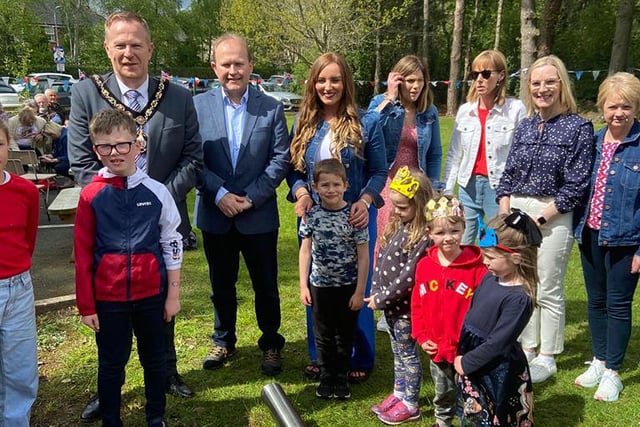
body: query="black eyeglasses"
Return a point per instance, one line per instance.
(484, 73)
(120, 147)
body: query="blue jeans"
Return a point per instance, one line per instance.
(478, 199)
(364, 343)
(610, 288)
(117, 322)
(18, 350)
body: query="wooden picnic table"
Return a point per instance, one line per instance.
(65, 204)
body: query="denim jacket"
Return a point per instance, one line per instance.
(428, 129)
(620, 224)
(365, 174)
(465, 141)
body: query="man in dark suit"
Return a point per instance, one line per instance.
(246, 156)
(167, 127)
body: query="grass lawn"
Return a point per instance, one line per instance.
(231, 396)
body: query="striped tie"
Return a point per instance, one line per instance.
(132, 100)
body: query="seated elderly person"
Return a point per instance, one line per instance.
(43, 109)
(58, 160)
(25, 130)
(54, 105)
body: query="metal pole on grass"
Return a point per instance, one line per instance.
(280, 406)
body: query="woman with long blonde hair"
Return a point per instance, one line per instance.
(329, 125)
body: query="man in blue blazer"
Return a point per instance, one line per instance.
(246, 156)
(167, 124)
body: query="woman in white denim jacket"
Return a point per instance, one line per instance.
(480, 140)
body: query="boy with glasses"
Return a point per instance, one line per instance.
(128, 257)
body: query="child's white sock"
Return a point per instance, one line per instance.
(409, 406)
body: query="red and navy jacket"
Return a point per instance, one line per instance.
(125, 239)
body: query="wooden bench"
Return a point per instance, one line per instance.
(65, 204)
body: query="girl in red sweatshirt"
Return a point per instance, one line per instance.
(445, 281)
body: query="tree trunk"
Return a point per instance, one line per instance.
(620, 47)
(496, 43)
(528, 35)
(454, 58)
(550, 17)
(467, 53)
(376, 75)
(425, 30)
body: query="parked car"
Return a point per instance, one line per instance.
(52, 76)
(64, 93)
(280, 80)
(290, 101)
(15, 83)
(210, 84)
(8, 96)
(255, 79)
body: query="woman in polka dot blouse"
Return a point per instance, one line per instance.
(546, 175)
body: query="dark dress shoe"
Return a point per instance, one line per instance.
(91, 411)
(177, 387)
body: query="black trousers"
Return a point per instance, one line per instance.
(260, 255)
(334, 326)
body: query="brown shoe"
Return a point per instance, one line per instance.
(271, 362)
(217, 356)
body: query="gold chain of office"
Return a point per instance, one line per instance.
(140, 117)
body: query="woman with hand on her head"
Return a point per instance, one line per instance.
(480, 141)
(609, 234)
(410, 125)
(329, 125)
(546, 176)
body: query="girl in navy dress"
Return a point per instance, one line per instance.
(494, 384)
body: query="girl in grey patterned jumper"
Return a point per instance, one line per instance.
(403, 243)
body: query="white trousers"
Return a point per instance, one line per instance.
(546, 327)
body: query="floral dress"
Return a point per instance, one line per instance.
(496, 389)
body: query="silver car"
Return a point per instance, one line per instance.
(290, 101)
(8, 96)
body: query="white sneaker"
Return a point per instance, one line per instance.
(530, 355)
(610, 387)
(382, 324)
(542, 369)
(591, 377)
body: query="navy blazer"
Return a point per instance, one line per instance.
(262, 164)
(174, 153)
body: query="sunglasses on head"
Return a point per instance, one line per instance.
(484, 73)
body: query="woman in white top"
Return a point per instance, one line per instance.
(480, 141)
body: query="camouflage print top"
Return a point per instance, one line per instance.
(333, 246)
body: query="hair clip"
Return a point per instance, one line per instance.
(443, 207)
(522, 222)
(404, 183)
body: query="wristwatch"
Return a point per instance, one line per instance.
(541, 220)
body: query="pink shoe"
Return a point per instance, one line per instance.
(399, 414)
(385, 405)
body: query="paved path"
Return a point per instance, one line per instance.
(52, 270)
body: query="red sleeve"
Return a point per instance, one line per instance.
(417, 316)
(33, 217)
(83, 245)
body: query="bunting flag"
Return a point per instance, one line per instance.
(164, 75)
(578, 75)
(595, 73)
(5, 80)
